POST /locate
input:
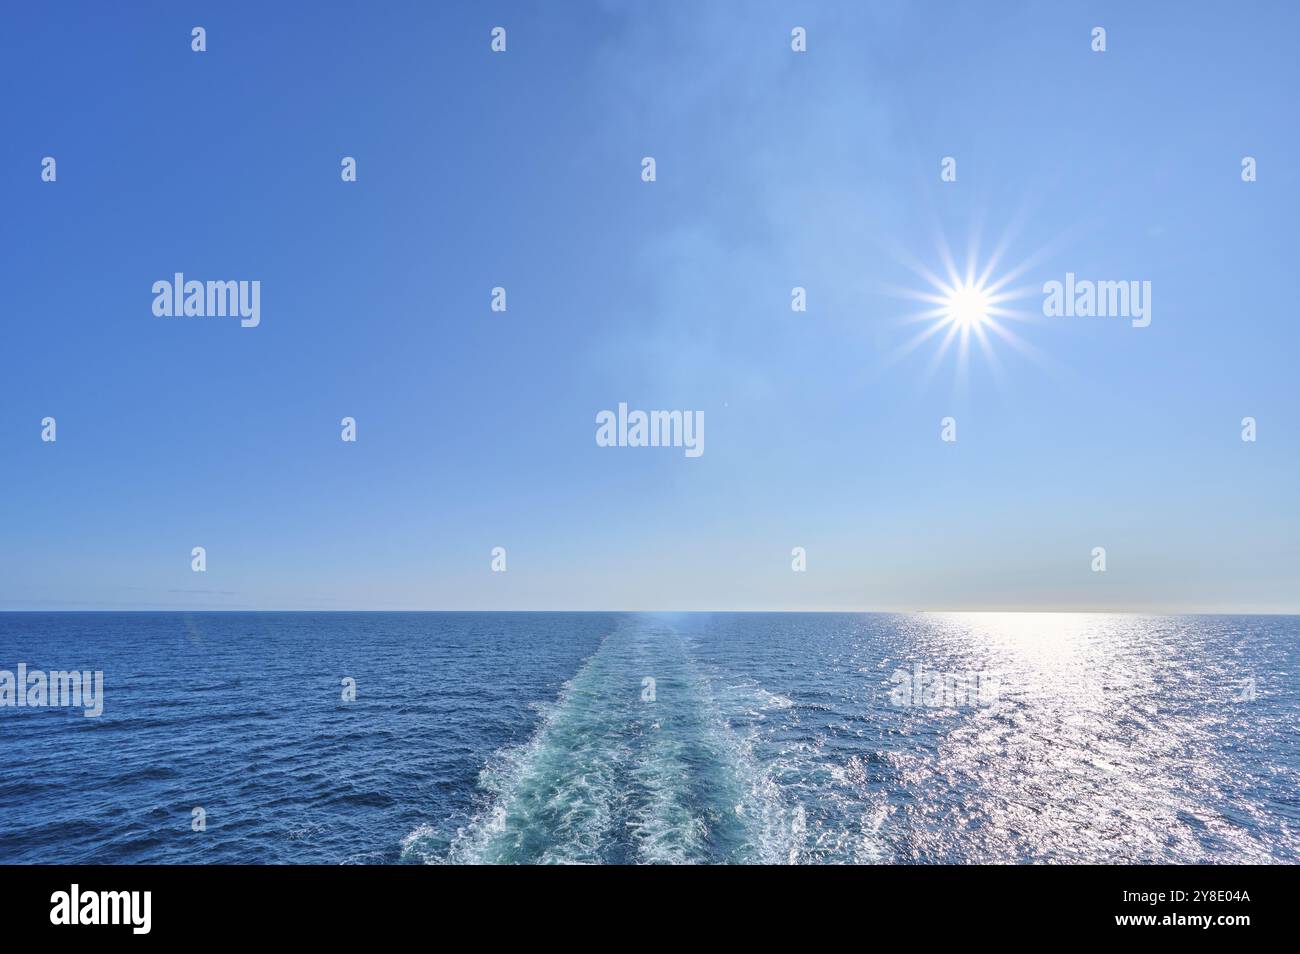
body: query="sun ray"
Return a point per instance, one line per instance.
(913, 343)
(943, 350)
(967, 307)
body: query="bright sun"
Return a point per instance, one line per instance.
(967, 305)
(967, 308)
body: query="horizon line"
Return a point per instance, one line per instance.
(754, 612)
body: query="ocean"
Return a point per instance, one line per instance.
(654, 738)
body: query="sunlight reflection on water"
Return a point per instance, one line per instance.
(1113, 738)
(1105, 744)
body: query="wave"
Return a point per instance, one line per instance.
(635, 762)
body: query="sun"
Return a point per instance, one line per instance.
(966, 309)
(967, 305)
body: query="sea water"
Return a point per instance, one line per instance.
(634, 738)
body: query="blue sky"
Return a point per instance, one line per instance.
(774, 169)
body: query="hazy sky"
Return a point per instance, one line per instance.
(522, 169)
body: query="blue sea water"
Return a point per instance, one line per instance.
(518, 737)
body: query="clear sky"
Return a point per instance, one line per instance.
(522, 169)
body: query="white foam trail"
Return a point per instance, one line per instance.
(610, 777)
